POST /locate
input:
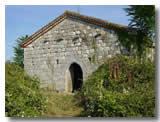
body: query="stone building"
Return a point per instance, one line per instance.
(64, 52)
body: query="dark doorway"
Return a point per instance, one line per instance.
(76, 76)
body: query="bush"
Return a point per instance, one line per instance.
(23, 96)
(121, 87)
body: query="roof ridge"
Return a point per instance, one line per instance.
(74, 13)
(70, 14)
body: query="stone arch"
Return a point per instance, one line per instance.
(74, 77)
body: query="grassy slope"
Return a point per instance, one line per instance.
(62, 105)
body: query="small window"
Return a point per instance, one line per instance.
(57, 61)
(97, 36)
(75, 40)
(45, 41)
(89, 58)
(32, 62)
(59, 40)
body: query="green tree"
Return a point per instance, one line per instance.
(19, 51)
(143, 19)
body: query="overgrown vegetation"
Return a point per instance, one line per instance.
(23, 97)
(121, 87)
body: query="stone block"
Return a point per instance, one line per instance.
(76, 48)
(87, 51)
(91, 50)
(78, 32)
(100, 41)
(90, 35)
(79, 52)
(88, 27)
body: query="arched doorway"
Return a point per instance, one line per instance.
(74, 77)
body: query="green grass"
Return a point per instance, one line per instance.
(62, 105)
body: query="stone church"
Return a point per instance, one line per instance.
(64, 52)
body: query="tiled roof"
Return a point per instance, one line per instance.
(69, 14)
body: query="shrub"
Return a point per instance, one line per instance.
(121, 87)
(23, 97)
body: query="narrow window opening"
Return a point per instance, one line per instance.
(89, 58)
(97, 36)
(32, 62)
(49, 50)
(57, 61)
(59, 40)
(45, 41)
(75, 40)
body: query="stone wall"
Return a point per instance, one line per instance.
(71, 41)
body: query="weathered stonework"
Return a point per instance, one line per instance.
(71, 41)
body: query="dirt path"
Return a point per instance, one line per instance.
(62, 105)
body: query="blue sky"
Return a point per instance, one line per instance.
(26, 19)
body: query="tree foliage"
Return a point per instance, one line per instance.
(19, 51)
(143, 20)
